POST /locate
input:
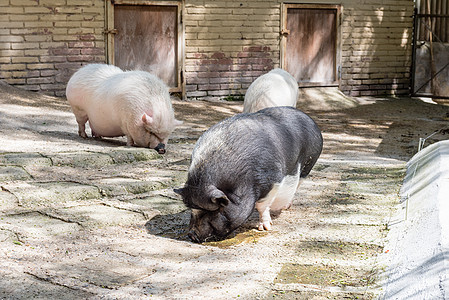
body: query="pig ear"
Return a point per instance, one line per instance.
(147, 119)
(219, 198)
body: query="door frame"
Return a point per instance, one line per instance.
(110, 31)
(337, 50)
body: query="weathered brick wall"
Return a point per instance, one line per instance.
(228, 45)
(42, 42)
(376, 47)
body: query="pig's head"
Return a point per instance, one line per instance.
(154, 132)
(215, 213)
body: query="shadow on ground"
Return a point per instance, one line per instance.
(174, 226)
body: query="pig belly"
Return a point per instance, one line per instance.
(281, 195)
(104, 126)
(286, 192)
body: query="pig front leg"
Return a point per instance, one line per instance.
(81, 120)
(263, 207)
(129, 141)
(95, 135)
(264, 217)
(94, 132)
(82, 130)
(280, 197)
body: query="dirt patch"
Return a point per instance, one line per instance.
(323, 275)
(338, 249)
(251, 236)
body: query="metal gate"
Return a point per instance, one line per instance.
(430, 64)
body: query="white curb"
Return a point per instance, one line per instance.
(417, 251)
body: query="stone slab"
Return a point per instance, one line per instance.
(11, 173)
(51, 194)
(101, 215)
(24, 159)
(82, 159)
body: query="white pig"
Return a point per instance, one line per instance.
(275, 88)
(133, 103)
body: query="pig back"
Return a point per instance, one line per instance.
(85, 82)
(300, 137)
(256, 149)
(276, 88)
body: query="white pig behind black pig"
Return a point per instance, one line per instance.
(136, 104)
(275, 88)
(251, 160)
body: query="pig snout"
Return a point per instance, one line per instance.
(160, 148)
(197, 236)
(201, 229)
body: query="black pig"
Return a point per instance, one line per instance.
(246, 161)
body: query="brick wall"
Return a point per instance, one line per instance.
(42, 42)
(376, 47)
(230, 43)
(227, 44)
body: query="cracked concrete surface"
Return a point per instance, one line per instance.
(94, 219)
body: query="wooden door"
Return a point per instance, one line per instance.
(310, 43)
(146, 38)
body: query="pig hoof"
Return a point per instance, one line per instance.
(287, 206)
(265, 226)
(83, 135)
(129, 141)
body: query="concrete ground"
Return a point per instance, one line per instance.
(94, 219)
